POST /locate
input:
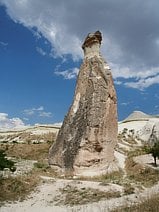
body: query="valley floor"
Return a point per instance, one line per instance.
(47, 198)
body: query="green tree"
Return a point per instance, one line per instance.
(154, 150)
(4, 162)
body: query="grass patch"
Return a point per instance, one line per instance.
(17, 188)
(42, 168)
(136, 152)
(114, 177)
(128, 189)
(138, 173)
(41, 165)
(150, 204)
(71, 195)
(27, 151)
(13, 189)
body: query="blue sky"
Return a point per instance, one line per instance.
(40, 54)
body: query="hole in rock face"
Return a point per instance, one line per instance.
(98, 147)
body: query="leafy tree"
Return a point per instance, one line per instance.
(4, 162)
(154, 150)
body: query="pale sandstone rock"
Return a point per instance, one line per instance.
(85, 143)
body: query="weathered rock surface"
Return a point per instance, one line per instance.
(85, 143)
(150, 132)
(145, 127)
(29, 134)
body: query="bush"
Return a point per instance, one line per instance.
(5, 163)
(144, 175)
(17, 188)
(154, 150)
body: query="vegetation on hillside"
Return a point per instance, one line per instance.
(148, 205)
(4, 162)
(135, 176)
(154, 150)
(17, 188)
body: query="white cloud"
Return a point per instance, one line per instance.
(41, 51)
(39, 108)
(25, 119)
(117, 82)
(3, 44)
(138, 80)
(156, 95)
(58, 123)
(68, 74)
(39, 111)
(143, 83)
(125, 103)
(45, 114)
(9, 123)
(29, 112)
(130, 41)
(45, 17)
(32, 111)
(127, 73)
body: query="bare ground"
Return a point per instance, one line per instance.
(48, 196)
(64, 195)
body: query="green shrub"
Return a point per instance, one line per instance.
(4, 162)
(40, 165)
(154, 150)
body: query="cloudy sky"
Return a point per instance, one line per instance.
(40, 55)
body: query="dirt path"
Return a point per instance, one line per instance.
(146, 160)
(42, 200)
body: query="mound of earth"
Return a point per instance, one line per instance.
(137, 115)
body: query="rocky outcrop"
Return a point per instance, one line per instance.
(137, 116)
(30, 134)
(144, 126)
(150, 132)
(85, 143)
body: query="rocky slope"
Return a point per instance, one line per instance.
(144, 127)
(30, 134)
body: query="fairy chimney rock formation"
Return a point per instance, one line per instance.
(86, 141)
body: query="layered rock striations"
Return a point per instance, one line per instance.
(85, 143)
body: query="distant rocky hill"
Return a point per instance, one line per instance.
(145, 127)
(137, 115)
(29, 134)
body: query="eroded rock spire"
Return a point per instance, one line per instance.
(86, 141)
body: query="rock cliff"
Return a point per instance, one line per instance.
(85, 143)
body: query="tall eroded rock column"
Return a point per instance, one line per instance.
(86, 141)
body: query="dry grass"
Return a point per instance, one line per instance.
(27, 151)
(19, 187)
(122, 150)
(149, 205)
(138, 173)
(128, 189)
(42, 168)
(138, 151)
(13, 189)
(114, 177)
(71, 195)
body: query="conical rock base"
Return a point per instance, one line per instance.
(86, 141)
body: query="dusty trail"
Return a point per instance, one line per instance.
(42, 200)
